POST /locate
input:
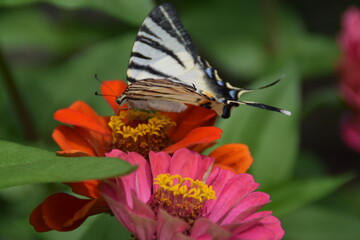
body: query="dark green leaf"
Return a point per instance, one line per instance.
(23, 165)
(272, 137)
(320, 223)
(290, 196)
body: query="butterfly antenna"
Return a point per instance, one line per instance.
(263, 106)
(107, 86)
(245, 90)
(103, 95)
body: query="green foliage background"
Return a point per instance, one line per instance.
(53, 48)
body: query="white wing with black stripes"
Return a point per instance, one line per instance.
(163, 49)
(165, 71)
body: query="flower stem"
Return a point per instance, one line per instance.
(20, 108)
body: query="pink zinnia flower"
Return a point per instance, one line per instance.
(350, 76)
(350, 62)
(183, 197)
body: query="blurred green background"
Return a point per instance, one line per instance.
(52, 49)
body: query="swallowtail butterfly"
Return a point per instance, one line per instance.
(165, 72)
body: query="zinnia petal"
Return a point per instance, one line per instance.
(61, 212)
(69, 139)
(235, 157)
(88, 188)
(80, 114)
(179, 164)
(169, 227)
(195, 136)
(139, 181)
(230, 194)
(269, 227)
(193, 117)
(206, 229)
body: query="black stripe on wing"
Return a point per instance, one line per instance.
(146, 30)
(154, 44)
(166, 17)
(148, 69)
(139, 55)
(130, 79)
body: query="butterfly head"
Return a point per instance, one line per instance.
(120, 100)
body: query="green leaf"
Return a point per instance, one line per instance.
(23, 165)
(293, 195)
(272, 137)
(133, 11)
(320, 223)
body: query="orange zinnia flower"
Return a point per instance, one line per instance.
(94, 135)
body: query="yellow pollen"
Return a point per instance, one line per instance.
(140, 131)
(186, 187)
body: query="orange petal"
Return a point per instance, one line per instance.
(82, 119)
(99, 142)
(87, 188)
(235, 157)
(84, 108)
(112, 89)
(196, 136)
(72, 153)
(201, 147)
(191, 118)
(62, 212)
(70, 141)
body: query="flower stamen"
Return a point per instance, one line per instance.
(184, 198)
(138, 131)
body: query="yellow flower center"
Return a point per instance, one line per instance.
(184, 198)
(138, 131)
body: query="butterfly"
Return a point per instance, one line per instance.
(165, 72)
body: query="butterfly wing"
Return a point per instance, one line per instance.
(164, 95)
(163, 49)
(163, 55)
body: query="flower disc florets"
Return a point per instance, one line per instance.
(141, 132)
(181, 197)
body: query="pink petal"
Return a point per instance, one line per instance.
(119, 210)
(205, 229)
(189, 164)
(216, 174)
(159, 163)
(251, 221)
(247, 206)
(234, 190)
(145, 228)
(169, 227)
(268, 227)
(139, 181)
(140, 220)
(142, 209)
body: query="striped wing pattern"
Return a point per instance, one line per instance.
(165, 71)
(163, 49)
